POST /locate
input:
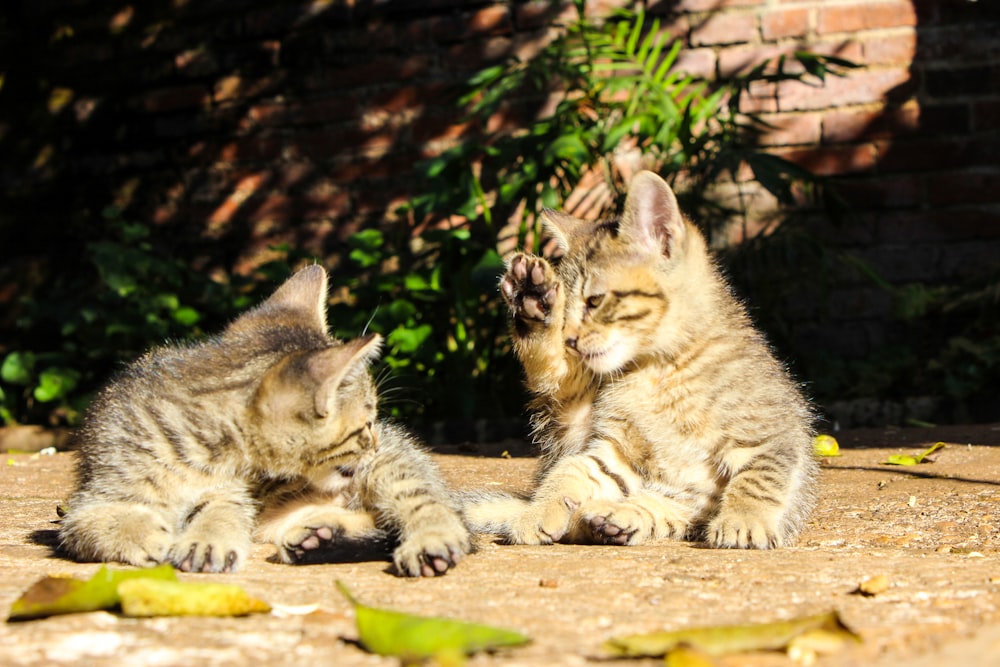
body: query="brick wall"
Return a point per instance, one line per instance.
(237, 124)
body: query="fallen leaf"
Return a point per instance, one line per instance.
(685, 656)
(873, 585)
(721, 640)
(912, 460)
(826, 445)
(415, 638)
(151, 597)
(50, 596)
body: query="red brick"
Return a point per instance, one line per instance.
(173, 99)
(740, 59)
(865, 16)
(724, 29)
(881, 192)
(698, 62)
(380, 69)
(537, 14)
(857, 87)
(476, 54)
(986, 115)
(785, 23)
(884, 123)
(493, 20)
(965, 187)
(889, 49)
(832, 160)
(251, 148)
(709, 5)
(937, 226)
(791, 129)
(938, 154)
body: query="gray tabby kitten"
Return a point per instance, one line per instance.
(273, 420)
(660, 410)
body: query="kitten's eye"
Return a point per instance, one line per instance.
(595, 300)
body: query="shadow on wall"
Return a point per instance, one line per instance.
(927, 199)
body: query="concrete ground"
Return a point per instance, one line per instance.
(933, 530)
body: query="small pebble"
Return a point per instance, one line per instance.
(874, 585)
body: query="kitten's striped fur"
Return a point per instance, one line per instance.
(269, 427)
(659, 409)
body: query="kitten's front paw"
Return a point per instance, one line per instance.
(209, 555)
(743, 530)
(432, 551)
(530, 288)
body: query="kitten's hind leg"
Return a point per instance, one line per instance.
(121, 532)
(638, 519)
(304, 528)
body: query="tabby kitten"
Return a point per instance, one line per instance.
(659, 409)
(273, 419)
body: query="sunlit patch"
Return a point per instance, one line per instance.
(122, 19)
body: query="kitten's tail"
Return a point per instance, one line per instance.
(492, 513)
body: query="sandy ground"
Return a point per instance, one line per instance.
(933, 530)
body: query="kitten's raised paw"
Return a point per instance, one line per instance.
(530, 287)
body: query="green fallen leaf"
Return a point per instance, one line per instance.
(414, 638)
(50, 596)
(723, 639)
(912, 460)
(150, 597)
(826, 445)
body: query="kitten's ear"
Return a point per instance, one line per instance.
(652, 218)
(329, 367)
(560, 226)
(305, 292)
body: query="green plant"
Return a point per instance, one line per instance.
(612, 86)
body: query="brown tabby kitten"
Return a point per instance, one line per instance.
(660, 410)
(179, 455)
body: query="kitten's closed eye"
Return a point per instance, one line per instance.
(595, 301)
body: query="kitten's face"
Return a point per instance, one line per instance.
(616, 275)
(315, 411)
(614, 307)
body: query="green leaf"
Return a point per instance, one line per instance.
(368, 239)
(50, 596)
(186, 316)
(18, 368)
(408, 340)
(55, 383)
(912, 460)
(725, 639)
(412, 638)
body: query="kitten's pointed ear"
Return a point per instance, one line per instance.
(652, 218)
(305, 291)
(560, 226)
(329, 367)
